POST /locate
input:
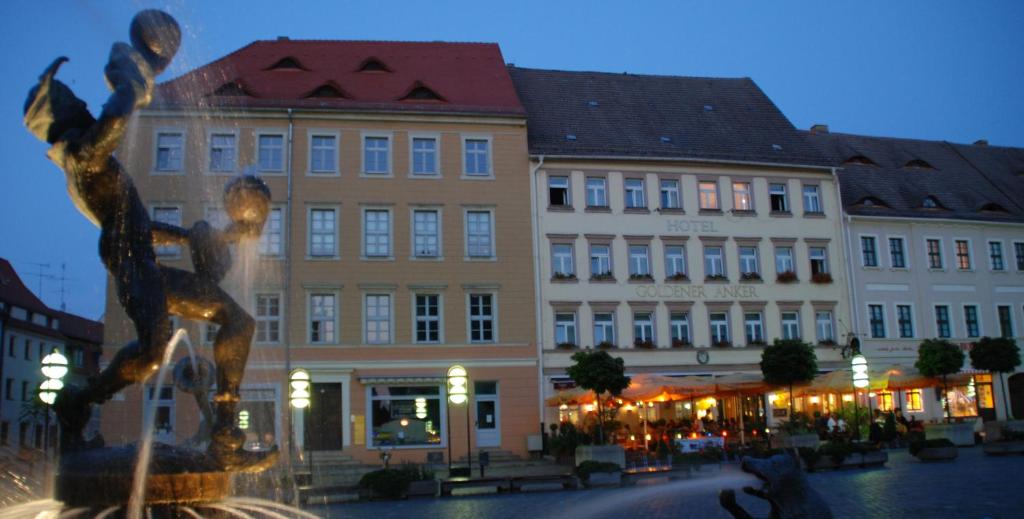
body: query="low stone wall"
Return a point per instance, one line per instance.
(604, 453)
(961, 434)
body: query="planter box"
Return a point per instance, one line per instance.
(426, 488)
(1004, 448)
(606, 453)
(795, 441)
(871, 459)
(961, 434)
(938, 454)
(994, 430)
(603, 479)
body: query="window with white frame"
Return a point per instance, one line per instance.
(905, 321)
(639, 261)
(869, 251)
(209, 332)
(777, 198)
(643, 327)
(558, 191)
(565, 328)
(897, 254)
(478, 234)
(934, 249)
(943, 326)
(679, 326)
(819, 260)
(812, 199)
(719, 322)
(268, 318)
(323, 151)
(222, 152)
(790, 325)
(376, 150)
(971, 321)
(963, 254)
(742, 197)
(378, 319)
(481, 318)
(753, 325)
(749, 264)
(428, 318)
(377, 233)
(714, 261)
(995, 255)
(272, 239)
(170, 215)
(1018, 250)
(424, 156)
(784, 260)
(169, 151)
(323, 318)
(597, 192)
(419, 407)
(635, 198)
(824, 327)
(670, 194)
(604, 328)
(562, 260)
(1005, 315)
(707, 195)
(477, 158)
(270, 152)
(675, 261)
(600, 260)
(426, 233)
(322, 233)
(876, 320)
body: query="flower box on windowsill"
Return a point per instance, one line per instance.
(566, 346)
(676, 343)
(605, 277)
(677, 278)
(757, 344)
(605, 345)
(722, 344)
(786, 277)
(750, 276)
(559, 277)
(821, 278)
(642, 278)
(716, 278)
(827, 342)
(647, 344)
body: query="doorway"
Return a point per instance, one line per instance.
(323, 421)
(488, 411)
(1016, 383)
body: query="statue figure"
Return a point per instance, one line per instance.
(785, 488)
(83, 146)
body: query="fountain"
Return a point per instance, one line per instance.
(169, 480)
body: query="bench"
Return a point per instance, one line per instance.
(568, 481)
(322, 495)
(629, 478)
(501, 484)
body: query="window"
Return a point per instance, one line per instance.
(558, 191)
(600, 261)
(170, 215)
(268, 318)
(905, 321)
(753, 326)
(995, 254)
(424, 156)
(679, 326)
(639, 262)
(790, 325)
(28, 347)
(376, 151)
(323, 318)
(169, 151)
(8, 389)
(377, 233)
(749, 264)
(935, 253)
(707, 194)
(426, 234)
(477, 157)
(824, 328)
(897, 256)
(565, 328)
(222, 152)
(784, 260)
(971, 321)
(478, 234)
(819, 260)
(876, 316)
(670, 194)
(942, 324)
(719, 322)
(635, 193)
(562, 260)
(322, 233)
(428, 318)
(323, 151)
(812, 199)
(643, 327)
(868, 251)
(914, 404)
(163, 401)
(597, 192)
(271, 241)
(378, 319)
(675, 261)
(963, 254)
(24, 391)
(1005, 321)
(604, 328)
(1018, 250)
(209, 332)
(418, 407)
(481, 318)
(714, 262)
(777, 197)
(741, 197)
(270, 152)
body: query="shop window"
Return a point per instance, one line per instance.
(405, 416)
(913, 398)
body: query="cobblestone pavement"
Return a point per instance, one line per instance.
(973, 486)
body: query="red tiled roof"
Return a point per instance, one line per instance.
(466, 77)
(13, 291)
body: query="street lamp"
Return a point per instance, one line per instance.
(458, 394)
(54, 367)
(298, 398)
(859, 365)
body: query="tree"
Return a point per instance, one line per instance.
(599, 372)
(996, 355)
(939, 358)
(787, 362)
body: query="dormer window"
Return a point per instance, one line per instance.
(231, 89)
(930, 203)
(860, 160)
(329, 89)
(918, 164)
(372, 64)
(287, 63)
(421, 92)
(993, 207)
(870, 201)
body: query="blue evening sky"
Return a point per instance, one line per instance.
(928, 69)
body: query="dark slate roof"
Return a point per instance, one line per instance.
(627, 115)
(79, 328)
(963, 179)
(14, 291)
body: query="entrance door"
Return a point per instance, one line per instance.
(488, 422)
(323, 421)
(1016, 383)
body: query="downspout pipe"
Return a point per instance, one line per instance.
(537, 286)
(287, 249)
(844, 223)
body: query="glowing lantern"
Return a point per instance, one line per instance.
(859, 365)
(299, 388)
(458, 382)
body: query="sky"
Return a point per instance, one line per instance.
(921, 69)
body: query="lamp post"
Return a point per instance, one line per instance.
(54, 367)
(298, 398)
(859, 365)
(458, 394)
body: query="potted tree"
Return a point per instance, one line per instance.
(601, 373)
(787, 362)
(941, 358)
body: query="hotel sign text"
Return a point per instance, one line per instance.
(685, 226)
(697, 291)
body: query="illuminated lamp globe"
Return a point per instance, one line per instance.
(48, 390)
(55, 365)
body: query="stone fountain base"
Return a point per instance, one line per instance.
(104, 477)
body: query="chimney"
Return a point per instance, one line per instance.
(282, 38)
(819, 128)
(981, 142)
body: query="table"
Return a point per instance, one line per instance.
(700, 443)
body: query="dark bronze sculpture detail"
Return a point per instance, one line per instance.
(785, 488)
(82, 146)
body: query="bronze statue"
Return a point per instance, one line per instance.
(785, 487)
(83, 146)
